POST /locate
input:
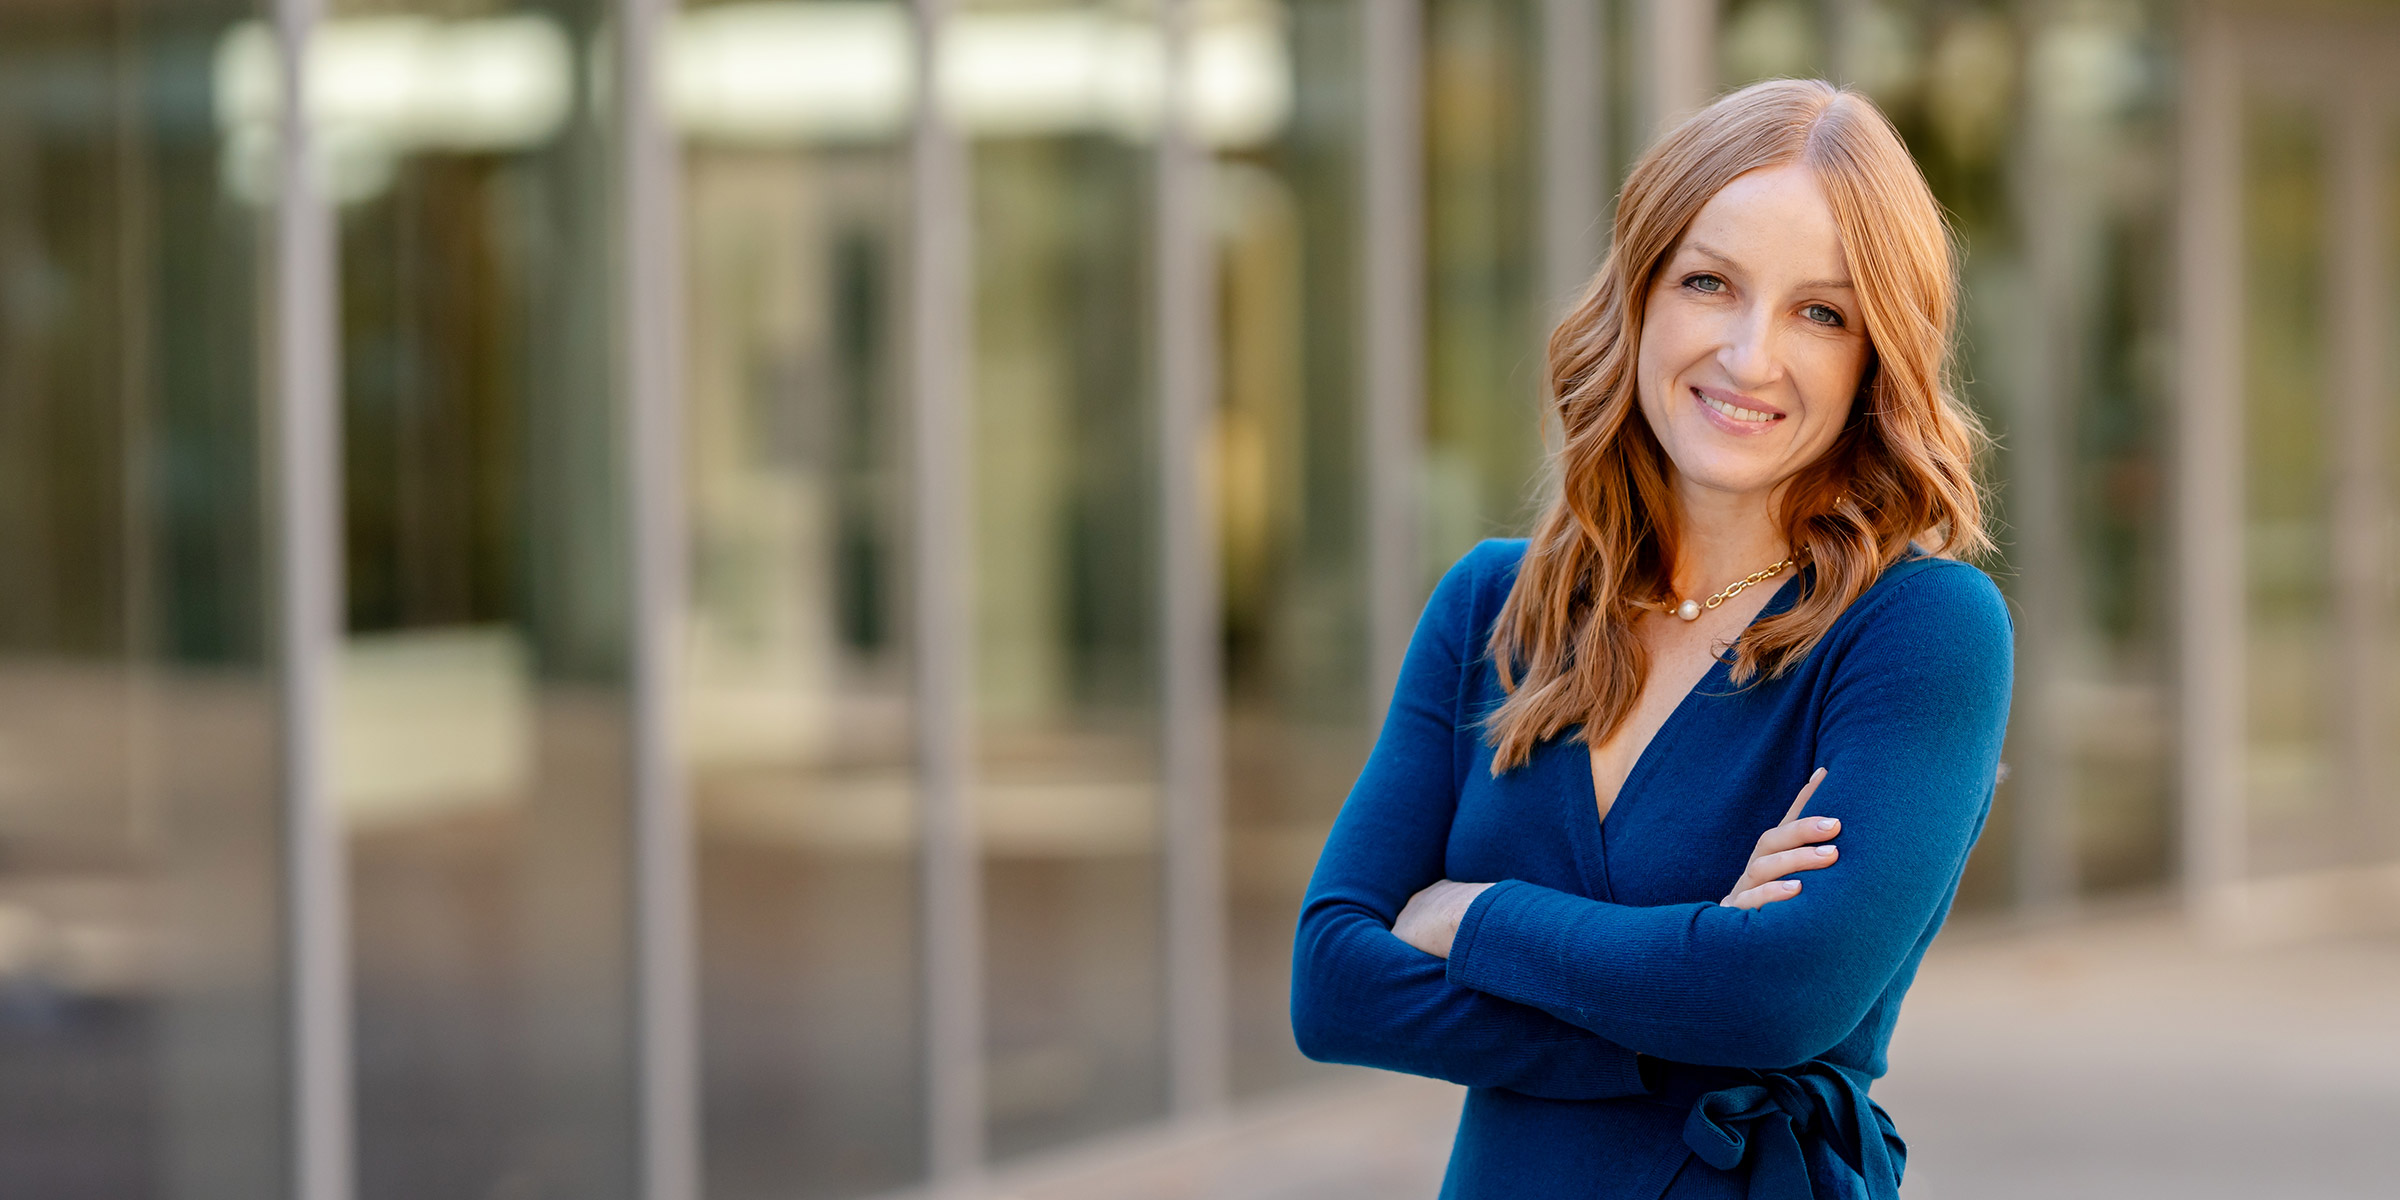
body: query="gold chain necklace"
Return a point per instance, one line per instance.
(1690, 610)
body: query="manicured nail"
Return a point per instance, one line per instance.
(1824, 852)
(1828, 823)
(1790, 885)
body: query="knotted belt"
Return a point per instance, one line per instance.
(1808, 1132)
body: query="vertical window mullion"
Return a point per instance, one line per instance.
(1393, 213)
(307, 521)
(1574, 148)
(941, 541)
(2208, 487)
(1192, 713)
(650, 312)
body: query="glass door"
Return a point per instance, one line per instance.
(2291, 496)
(140, 959)
(481, 728)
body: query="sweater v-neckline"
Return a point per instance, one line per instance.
(1590, 824)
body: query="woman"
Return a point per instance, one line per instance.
(1740, 614)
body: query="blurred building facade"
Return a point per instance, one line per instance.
(772, 599)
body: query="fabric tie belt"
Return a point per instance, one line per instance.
(1808, 1132)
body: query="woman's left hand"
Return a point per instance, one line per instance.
(1430, 919)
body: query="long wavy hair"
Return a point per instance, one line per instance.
(1902, 469)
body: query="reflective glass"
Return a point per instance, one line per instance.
(481, 734)
(1066, 568)
(1292, 489)
(2291, 757)
(2044, 140)
(1486, 320)
(1769, 39)
(140, 964)
(798, 703)
(2110, 111)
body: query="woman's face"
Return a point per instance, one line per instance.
(1753, 344)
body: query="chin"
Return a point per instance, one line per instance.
(1739, 474)
(1753, 485)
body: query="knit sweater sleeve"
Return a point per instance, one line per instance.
(1361, 995)
(1909, 733)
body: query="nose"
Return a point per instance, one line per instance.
(1748, 354)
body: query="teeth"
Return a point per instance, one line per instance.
(1736, 412)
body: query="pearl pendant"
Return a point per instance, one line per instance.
(1689, 610)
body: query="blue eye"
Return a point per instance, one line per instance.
(1823, 314)
(1709, 284)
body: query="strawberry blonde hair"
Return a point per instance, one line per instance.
(1902, 469)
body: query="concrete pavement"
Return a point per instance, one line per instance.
(2117, 1059)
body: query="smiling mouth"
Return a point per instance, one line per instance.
(1735, 411)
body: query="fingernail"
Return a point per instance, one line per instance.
(1791, 885)
(1827, 823)
(1824, 852)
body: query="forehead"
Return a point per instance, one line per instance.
(1773, 218)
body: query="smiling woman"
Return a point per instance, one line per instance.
(1549, 882)
(1788, 260)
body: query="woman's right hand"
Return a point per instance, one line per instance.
(1793, 846)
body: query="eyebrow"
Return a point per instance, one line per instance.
(1813, 285)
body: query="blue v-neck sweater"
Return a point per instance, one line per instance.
(1620, 1033)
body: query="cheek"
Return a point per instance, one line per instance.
(1645, 389)
(1647, 355)
(1660, 353)
(1830, 377)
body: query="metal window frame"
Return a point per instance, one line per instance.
(649, 311)
(1576, 204)
(1192, 740)
(1392, 325)
(305, 366)
(2207, 455)
(940, 332)
(1574, 142)
(1679, 61)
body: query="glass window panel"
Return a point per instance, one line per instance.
(140, 1039)
(2287, 490)
(2384, 754)
(2085, 185)
(1766, 39)
(1066, 568)
(1953, 90)
(800, 733)
(481, 731)
(1486, 320)
(2117, 663)
(1292, 518)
